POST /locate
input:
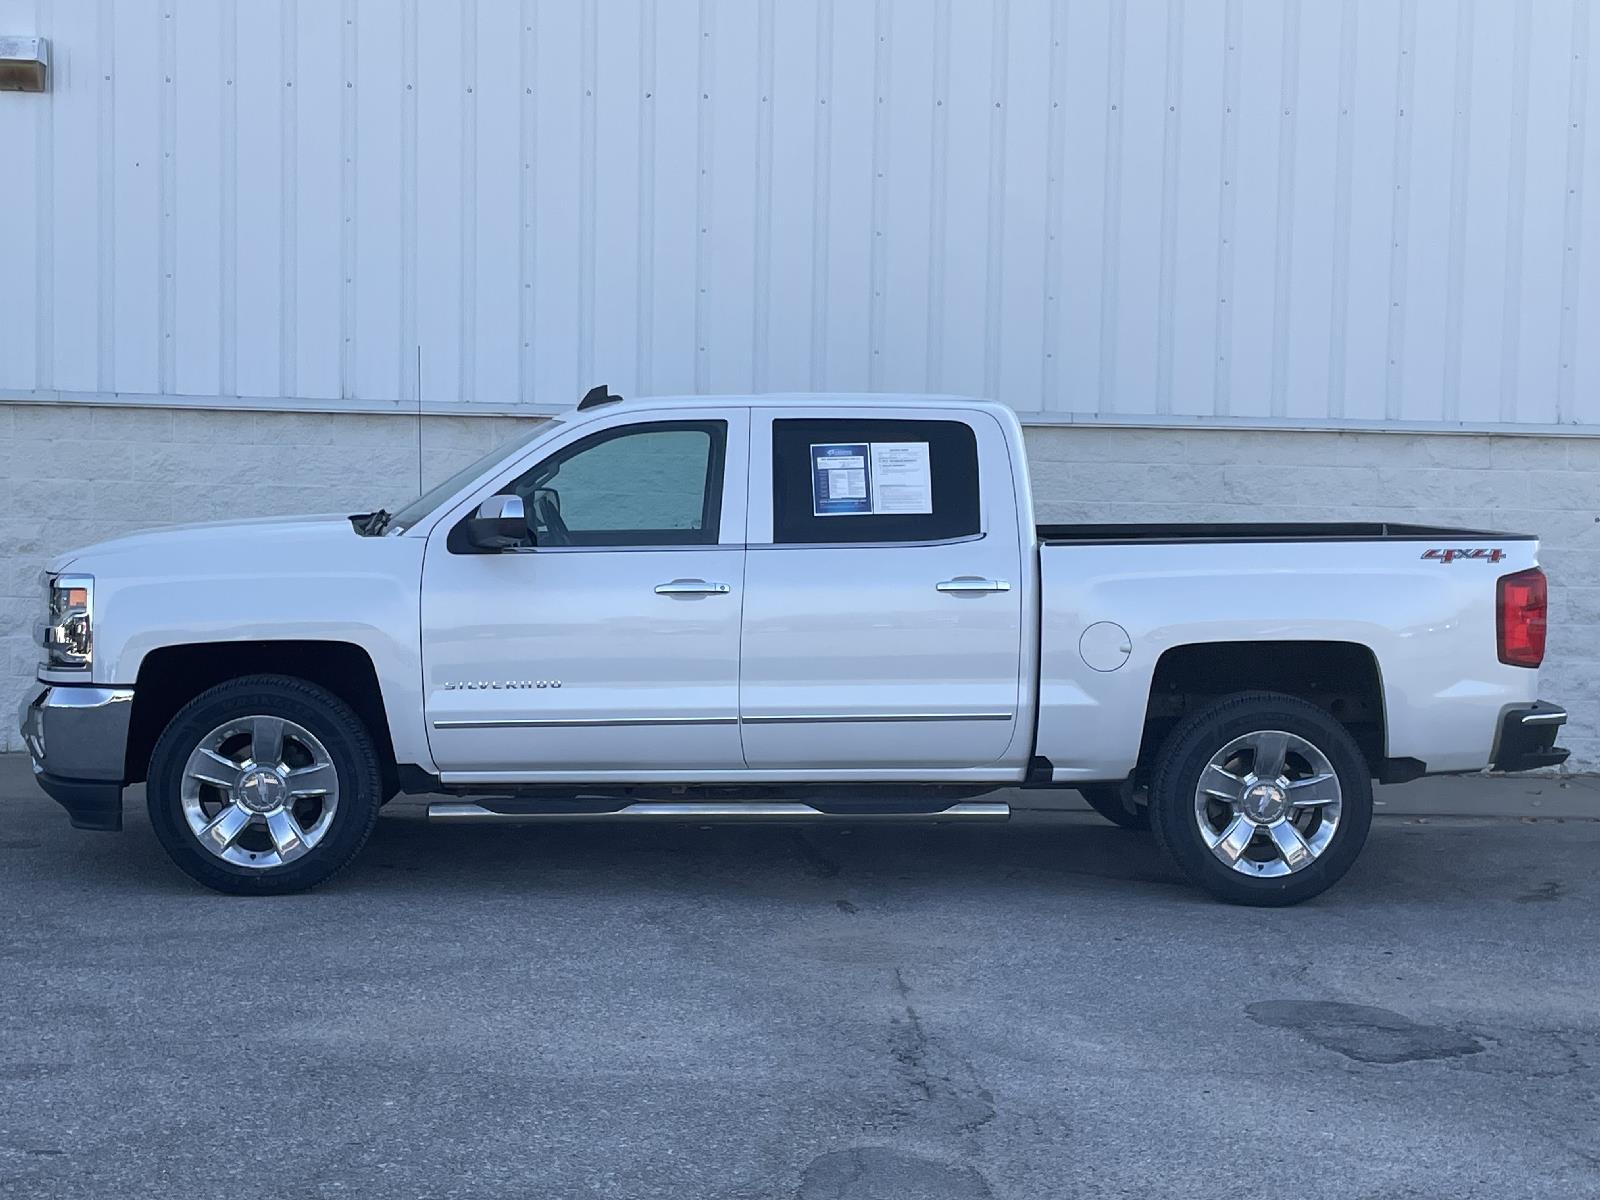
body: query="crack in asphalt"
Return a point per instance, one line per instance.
(956, 1095)
(948, 1104)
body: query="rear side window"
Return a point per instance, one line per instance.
(873, 481)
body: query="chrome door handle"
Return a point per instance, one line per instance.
(692, 587)
(971, 583)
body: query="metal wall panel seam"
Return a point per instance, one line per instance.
(994, 242)
(167, 285)
(1572, 217)
(1460, 155)
(350, 151)
(1111, 207)
(761, 306)
(289, 202)
(410, 366)
(704, 146)
(1400, 211)
(228, 203)
(44, 225)
(467, 332)
(1055, 152)
(1283, 246)
(527, 182)
(1516, 187)
(588, 71)
(882, 150)
(821, 197)
(938, 185)
(106, 153)
(644, 350)
(1222, 379)
(1171, 134)
(1343, 183)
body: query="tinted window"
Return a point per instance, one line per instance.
(641, 485)
(799, 503)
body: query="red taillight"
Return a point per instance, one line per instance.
(1520, 609)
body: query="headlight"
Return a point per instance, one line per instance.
(69, 634)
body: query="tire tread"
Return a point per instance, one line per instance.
(1172, 822)
(359, 801)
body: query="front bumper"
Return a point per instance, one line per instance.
(1527, 738)
(77, 737)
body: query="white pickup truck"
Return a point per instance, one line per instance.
(779, 608)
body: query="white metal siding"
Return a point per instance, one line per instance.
(1273, 210)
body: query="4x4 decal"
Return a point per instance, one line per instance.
(1494, 555)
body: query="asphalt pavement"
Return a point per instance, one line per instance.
(1035, 1010)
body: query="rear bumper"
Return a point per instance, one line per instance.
(78, 737)
(1527, 738)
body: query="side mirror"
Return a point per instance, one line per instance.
(500, 523)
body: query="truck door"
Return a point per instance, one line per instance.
(609, 646)
(882, 612)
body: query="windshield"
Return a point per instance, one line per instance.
(440, 492)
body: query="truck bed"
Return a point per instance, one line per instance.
(1280, 531)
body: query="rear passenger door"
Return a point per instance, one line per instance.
(882, 625)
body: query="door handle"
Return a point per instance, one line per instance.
(972, 583)
(692, 587)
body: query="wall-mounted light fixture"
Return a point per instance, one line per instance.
(24, 64)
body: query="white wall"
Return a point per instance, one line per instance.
(1371, 211)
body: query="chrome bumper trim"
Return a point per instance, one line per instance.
(1527, 738)
(1547, 715)
(77, 732)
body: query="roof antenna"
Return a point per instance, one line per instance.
(597, 396)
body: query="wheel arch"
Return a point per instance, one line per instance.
(1343, 678)
(171, 676)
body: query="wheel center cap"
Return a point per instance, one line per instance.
(263, 790)
(1264, 802)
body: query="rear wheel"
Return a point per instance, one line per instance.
(1106, 799)
(264, 785)
(1262, 799)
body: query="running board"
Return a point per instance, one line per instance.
(465, 812)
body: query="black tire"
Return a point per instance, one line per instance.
(1189, 749)
(1106, 799)
(317, 710)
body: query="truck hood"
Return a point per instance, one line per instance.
(166, 547)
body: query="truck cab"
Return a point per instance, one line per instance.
(687, 614)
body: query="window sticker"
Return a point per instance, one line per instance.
(857, 478)
(839, 484)
(901, 480)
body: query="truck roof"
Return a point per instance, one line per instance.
(612, 403)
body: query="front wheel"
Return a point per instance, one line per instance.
(264, 785)
(1261, 799)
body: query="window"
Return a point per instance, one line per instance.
(931, 496)
(639, 485)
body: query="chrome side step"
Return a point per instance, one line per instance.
(463, 812)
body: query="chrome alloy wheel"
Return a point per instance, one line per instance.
(1268, 803)
(259, 791)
